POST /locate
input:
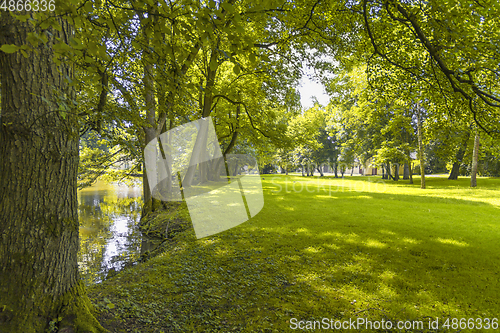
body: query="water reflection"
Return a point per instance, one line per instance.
(109, 237)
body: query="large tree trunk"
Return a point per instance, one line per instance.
(406, 171)
(389, 171)
(420, 148)
(38, 197)
(150, 129)
(475, 158)
(455, 170)
(396, 172)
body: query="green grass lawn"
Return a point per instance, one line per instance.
(326, 248)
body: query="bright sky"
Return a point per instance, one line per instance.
(309, 88)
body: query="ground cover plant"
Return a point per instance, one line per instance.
(323, 248)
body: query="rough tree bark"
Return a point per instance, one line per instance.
(38, 190)
(406, 171)
(396, 172)
(389, 171)
(150, 204)
(475, 158)
(149, 131)
(310, 170)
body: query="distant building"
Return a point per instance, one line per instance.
(372, 169)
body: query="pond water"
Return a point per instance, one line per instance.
(109, 235)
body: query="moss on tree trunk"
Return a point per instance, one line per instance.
(39, 226)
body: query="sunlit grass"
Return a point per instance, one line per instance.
(330, 248)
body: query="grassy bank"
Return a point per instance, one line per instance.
(323, 248)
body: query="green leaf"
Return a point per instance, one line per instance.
(88, 7)
(252, 57)
(9, 48)
(228, 7)
(22, 18)
(76, 43)
(236, 69)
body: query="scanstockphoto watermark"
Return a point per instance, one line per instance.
(406, 325)
(354, 324)
(230, 190)
(320, 186)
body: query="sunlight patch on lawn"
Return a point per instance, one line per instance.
(331, 234)
(223, 252)
(452, 241)
(352, 238)
(209, 241)
(386, 291)
(411, 240)
(326, 196)
(387, 232)
(362, 197)
(332, 246)
(308, 277)
(387, 275)
(374, 243)
(314, 249)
